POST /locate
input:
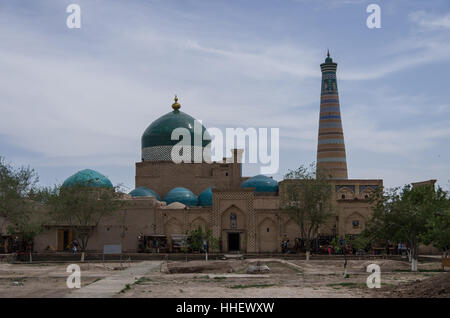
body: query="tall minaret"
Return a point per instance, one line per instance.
(331, 146)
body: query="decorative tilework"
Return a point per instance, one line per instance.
(363, 187)
(336, 159)
(333, 159)
(329, 75)
(330, 141)
(330, 109)
(350, 186)
(330, 125)
(164, 153)
(251, 222)
(330, 117)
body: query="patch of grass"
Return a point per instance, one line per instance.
(202, 277)
(142, 280)
(251, 286)
(220, 278)
(96, 280)
(127, 287)
(354, 285)
(388, 285)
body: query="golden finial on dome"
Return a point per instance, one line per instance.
(328, 53)
(176, 105)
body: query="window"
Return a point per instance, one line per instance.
(233, 221)
(343, 196)
(355, 223)
(267, 229)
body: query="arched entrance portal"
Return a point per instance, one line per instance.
(233, 230)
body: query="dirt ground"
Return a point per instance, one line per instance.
(229, 278)
(320, 278)
(47, 280)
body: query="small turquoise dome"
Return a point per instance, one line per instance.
(144, 192)
(181, 195)
(205, 198)
(261, 183)
(89, 178)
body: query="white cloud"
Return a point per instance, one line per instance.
(430, 21)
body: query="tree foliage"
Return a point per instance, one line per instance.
(411, 214)
(81, 208)
(197, 236)
(18, 189)
(307, 199)
(438, 230)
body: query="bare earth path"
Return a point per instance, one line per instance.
(114, 284)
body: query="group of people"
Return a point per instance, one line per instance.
(74, 245)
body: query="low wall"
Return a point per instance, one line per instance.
(99, 257)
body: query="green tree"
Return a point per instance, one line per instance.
(403, 215)
(438, 230)
(197, 236)
(19, 214)
(81, 208)
(307, 199)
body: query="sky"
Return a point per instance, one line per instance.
(72, 99)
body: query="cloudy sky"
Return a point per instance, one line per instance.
(81, 98)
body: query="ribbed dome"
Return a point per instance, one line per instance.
(144, 192)
(181, 195)
(157, 143)
(89, 178)
(261, 183)
(205, 198)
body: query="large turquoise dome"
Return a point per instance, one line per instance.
(261, 183)
(181, 195)
(205, 198)
(89, 178)
(157, 143)
(144, 192)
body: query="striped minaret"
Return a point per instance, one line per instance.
(331, 146)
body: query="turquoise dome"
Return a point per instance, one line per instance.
(205, 198)
(89, 178)
(181, 195)
(156, 142)
(144, 192)
(261, 183)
